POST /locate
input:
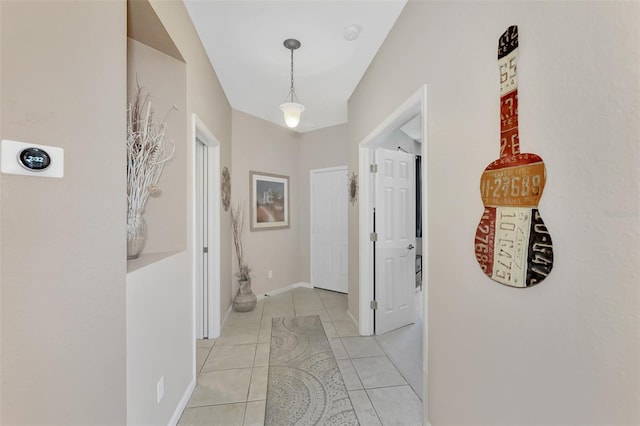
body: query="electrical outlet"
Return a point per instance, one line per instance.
(270, 274)
(160, 389)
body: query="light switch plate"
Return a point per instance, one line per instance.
(10, 164)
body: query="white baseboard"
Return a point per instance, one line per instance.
(274, 292)
(183, 403)
(353, 319)
(301, 284)
(284, 290)
(226, 315)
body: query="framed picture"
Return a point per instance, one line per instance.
(269, 201)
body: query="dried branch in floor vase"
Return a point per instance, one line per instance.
(245, 300)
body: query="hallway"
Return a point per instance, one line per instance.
(233, 369)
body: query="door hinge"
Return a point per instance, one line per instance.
(374, 304)
(205, 249)
(373, 236)
(373, 168)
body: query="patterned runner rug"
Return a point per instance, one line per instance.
(305, 386)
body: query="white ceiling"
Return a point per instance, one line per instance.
(244, 42)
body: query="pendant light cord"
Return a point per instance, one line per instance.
(292, 91)
(291, 44)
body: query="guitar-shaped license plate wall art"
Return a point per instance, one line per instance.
(512, 243)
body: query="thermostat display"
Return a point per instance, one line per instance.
(35, 159)
(30, 159)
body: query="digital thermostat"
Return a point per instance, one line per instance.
(34, 158)
(22, 158)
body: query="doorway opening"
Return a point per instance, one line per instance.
(412, 110)
(413, 107)
(206, 231)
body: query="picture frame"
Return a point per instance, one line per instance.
(269, 202)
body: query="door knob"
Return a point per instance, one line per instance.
(410, 247)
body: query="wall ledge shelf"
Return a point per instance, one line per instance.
(146, 259)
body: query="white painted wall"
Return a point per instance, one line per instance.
(159, 339)
(566, 351)
(63, 247)
(160, 312)
(165, 213)
(207, 100)
(318, 149)
(264, 147)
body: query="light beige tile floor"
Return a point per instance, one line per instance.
(232, 370)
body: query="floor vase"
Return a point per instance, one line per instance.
(245, 300)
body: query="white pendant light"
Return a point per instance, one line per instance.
(292, 112)
(291, 107)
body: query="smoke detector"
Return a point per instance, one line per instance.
(351, 32)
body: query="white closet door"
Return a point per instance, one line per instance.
(329, 250)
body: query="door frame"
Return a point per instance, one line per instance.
(414, 105)
(417, 103)
(203, 134)
(312, 173)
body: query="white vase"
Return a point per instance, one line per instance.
(136, 235)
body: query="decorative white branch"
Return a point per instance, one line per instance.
(237, 227)
(147, 152)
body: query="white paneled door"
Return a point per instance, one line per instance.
(329, 251)
(395, 226)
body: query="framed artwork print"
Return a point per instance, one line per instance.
(269, 201)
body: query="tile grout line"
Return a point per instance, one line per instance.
(268, 360)
(400, 372)
(352, 366)
(244, 412)
(366, 389)
(205, 361)
(405, 379)
(372, 406)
